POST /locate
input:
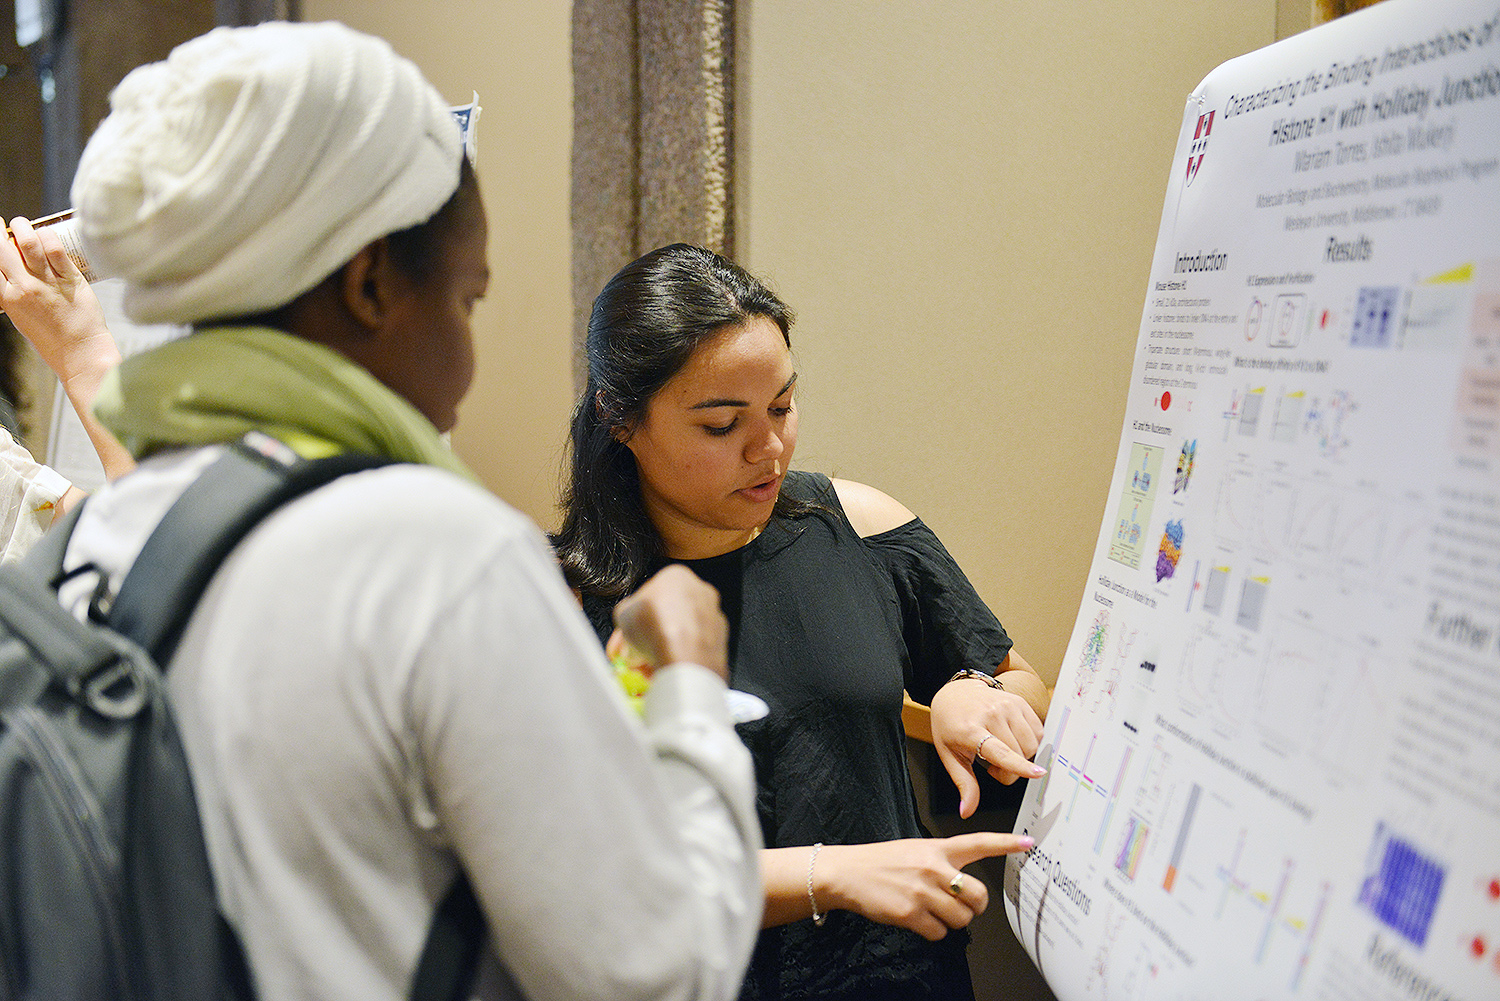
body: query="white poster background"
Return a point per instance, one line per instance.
(1274, 752)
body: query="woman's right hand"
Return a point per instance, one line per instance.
(909, 883)
(675, 617)
(52, 304)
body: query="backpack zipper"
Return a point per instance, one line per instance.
(81, 817)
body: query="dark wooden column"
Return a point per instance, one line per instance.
(94, 43)
(56, 91)
(20, 182)
(256, 11)
(20, 123)
(652, 136)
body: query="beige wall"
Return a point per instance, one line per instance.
(516, 54)
(961, 198)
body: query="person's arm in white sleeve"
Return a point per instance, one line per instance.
(613, 860)
(32, 496)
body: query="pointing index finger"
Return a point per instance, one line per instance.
(966, 848)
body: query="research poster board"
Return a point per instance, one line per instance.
(1274, 752)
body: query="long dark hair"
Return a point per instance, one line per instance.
(646, 324)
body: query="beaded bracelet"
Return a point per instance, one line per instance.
(818, 919)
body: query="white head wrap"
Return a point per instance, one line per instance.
(252, 163)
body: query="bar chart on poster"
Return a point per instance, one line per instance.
(1274, 753)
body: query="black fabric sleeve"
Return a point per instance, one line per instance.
(945, 624)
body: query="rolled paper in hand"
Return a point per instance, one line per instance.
(66, 227)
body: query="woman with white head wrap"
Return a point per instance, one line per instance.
(238, 173)
(233, 179)
(388, 682)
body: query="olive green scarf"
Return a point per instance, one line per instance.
(216, 384)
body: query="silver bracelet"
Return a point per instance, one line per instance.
(818, 919)
(988, 679)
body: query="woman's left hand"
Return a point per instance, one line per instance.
(968, 716)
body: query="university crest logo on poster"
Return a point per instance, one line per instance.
(1200, 144)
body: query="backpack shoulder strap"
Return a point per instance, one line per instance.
(445, 970)
(61, 649)
(66, 652)
(251, 479)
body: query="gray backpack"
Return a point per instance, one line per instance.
(105, 887)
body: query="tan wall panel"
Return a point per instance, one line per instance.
(961, 198)
(515, 53)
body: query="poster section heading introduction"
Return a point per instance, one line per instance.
(1274, 753)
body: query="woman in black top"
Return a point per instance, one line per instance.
(838, 598)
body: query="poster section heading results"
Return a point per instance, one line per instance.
(1395, 146)
(1274, 754)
